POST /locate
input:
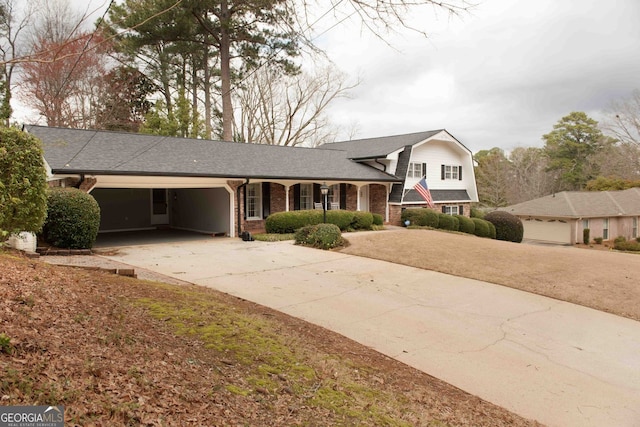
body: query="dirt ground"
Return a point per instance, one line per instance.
(105, 347)
(595, 277)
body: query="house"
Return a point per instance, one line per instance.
(215, 187)
(562, 217)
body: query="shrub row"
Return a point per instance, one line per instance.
(622, 244)
(422, 217)
(322, 236)
(289, 222)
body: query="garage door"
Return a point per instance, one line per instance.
(555, 231)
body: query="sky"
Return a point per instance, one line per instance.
(499, 76)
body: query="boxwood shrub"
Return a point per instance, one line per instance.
(447, 222)
(73, 219)
(322, 236)
(378, 219)
(482, 228)
(421, 217)
(465, 224)
(362, 220)
(341, 218)
(289, 222)
(508, 227)
(622, 244)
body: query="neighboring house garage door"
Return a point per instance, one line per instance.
(556, 231)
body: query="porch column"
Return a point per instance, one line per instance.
(286, 197)
(358, 197)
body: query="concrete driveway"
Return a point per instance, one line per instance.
(555, 362)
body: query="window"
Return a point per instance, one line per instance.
(450, 210)
(585, 223)
(253, 207)
(334, 194)
(634, 228)
(306, 196)
(605, 229)
(417, 170)
(451, 172)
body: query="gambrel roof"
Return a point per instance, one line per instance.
(581, 204)
(77, 151)
(380, 147)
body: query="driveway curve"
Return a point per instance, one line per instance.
(555, 362)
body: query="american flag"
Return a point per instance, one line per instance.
(423, 190)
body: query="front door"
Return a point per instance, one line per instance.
(159, 206)
(364, 198)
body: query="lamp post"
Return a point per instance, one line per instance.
(324, 189)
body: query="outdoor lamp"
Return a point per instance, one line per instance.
(324, 190)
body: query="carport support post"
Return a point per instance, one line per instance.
(324, 189)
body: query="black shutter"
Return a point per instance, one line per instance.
(460, 173)
(266, 199)
(343, 196)
(442, 172)
(461, 210)
(424, 170)
(317, 196)
(296, 197)
(443, 209)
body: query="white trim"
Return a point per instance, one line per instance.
(120, 230)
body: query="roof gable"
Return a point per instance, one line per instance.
(118, 153)
(375, 148)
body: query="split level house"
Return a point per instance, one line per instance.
(225, 188)
(563, 217)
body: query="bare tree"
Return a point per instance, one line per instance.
(288, 110)
(623, 119)
(530, 178)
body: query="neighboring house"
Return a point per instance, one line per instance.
(146, 181)
(562, 217)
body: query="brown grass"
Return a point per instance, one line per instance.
(600, 279)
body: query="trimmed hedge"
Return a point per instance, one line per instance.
(447, 222)
(322, 236)
(466, 225)
(362, 220)
(289, 222)
(482, 228)
(343, 219)
(378, 219)
(622, 244)
(508, 227)
(73, 219)
(421, 217)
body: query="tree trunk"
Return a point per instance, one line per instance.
(225, 72)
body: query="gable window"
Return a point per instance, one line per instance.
(253, 201)
(605, 229)
(417, 170)
(634, 227)
(451, 172)
(306, 196)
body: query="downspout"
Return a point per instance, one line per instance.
(384, 167)
(239, 222)
(80, 182)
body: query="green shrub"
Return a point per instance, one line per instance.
(289, 222)
(638, 239)
(378, 219)
(466, 225)
(598, 240)
(508, 227)
(477, 213)
(5, 344)
(492, 230)
(73, 219)
(420, 217)
(624, 245)
(343, 219)
(585, 236)
(483, 228)
(620, 239)
(447, 222)
(23, 183)
(362, 220)
(322, 236)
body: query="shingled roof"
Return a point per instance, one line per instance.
(77, 151)
(376, 148)
(581, 204)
